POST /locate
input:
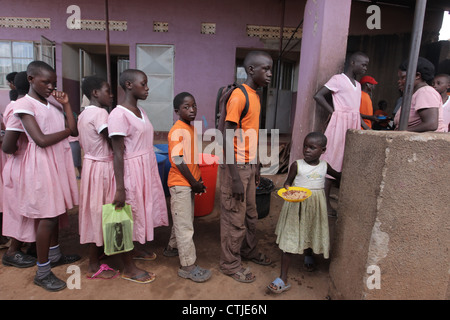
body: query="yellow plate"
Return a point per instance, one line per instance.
(283, 190)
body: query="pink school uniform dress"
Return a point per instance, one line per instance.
(144, 191)
(346, 100)
(15, 225)
(47, 179)
(97, 186)
(446, 112)
(424, 98)
(3, 157)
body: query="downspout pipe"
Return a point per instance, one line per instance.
(416, 39)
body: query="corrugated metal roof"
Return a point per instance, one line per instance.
(431, 4)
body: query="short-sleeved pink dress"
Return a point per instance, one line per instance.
(424, 98)
(15, 225)
(144, 191)
(446, 112)
(47, 179)
(346, 95)
(97, 186)
(2, 164)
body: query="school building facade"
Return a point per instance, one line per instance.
(198, 46)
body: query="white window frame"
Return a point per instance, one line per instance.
(3, 82)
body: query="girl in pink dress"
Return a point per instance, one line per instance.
(346, 93)
(97, 185)
(15, 226)
(135, 167)
(47, 183)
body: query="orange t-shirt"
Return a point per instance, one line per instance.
(183, 142)
(366, 107)
(245, 149)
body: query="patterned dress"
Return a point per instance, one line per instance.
(303, 225)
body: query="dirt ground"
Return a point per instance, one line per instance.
(18, 283)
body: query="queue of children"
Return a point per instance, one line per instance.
(120, 167)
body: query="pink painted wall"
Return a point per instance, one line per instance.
(203, 63)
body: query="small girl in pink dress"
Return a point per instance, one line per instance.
(346, 93)
(97, 185)
(47, 183)
(135, 167)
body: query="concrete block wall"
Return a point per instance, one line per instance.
(393, 221)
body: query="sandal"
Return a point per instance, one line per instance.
(262, 260)
(278, 286)
(104, 267)
(309, 263)
(138, 278)
(243, 275)
(145, 256)
(170, 252)
(197, 274)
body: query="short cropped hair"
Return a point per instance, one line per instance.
(90, 84)
(357, 54)
(21, 83)
(424, 67)
(179, 98)
(319, 136)
(128, 75)
(36, 66)
(250, 57)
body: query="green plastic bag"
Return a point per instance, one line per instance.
(117, 229)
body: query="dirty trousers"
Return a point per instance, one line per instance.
(238, 219)
(181, 237)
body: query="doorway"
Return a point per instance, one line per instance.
(81, 60)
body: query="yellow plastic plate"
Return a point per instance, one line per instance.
(283, 190)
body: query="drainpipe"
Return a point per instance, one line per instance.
(108, 58)
(412, 63)
(279, 62)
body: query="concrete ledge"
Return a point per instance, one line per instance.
(393, 221)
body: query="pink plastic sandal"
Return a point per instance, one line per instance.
(104, 267)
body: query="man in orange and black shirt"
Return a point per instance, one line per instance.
(240, 173)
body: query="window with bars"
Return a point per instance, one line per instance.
(14, 57)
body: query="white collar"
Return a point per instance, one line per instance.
(354, 85)
(131, 112)
(45, 105)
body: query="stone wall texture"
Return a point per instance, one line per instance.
(394, 217)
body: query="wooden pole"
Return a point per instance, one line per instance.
(416, 38)
(108, 57)
(283, 6)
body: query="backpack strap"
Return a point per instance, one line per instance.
(245, 111)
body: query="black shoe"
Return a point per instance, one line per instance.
(19, 260)
(50, 283)
(65, 259)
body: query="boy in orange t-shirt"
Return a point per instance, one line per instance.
(184, 181)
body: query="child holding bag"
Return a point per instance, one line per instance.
(302, 227)
(136, 169)
(97, 185)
